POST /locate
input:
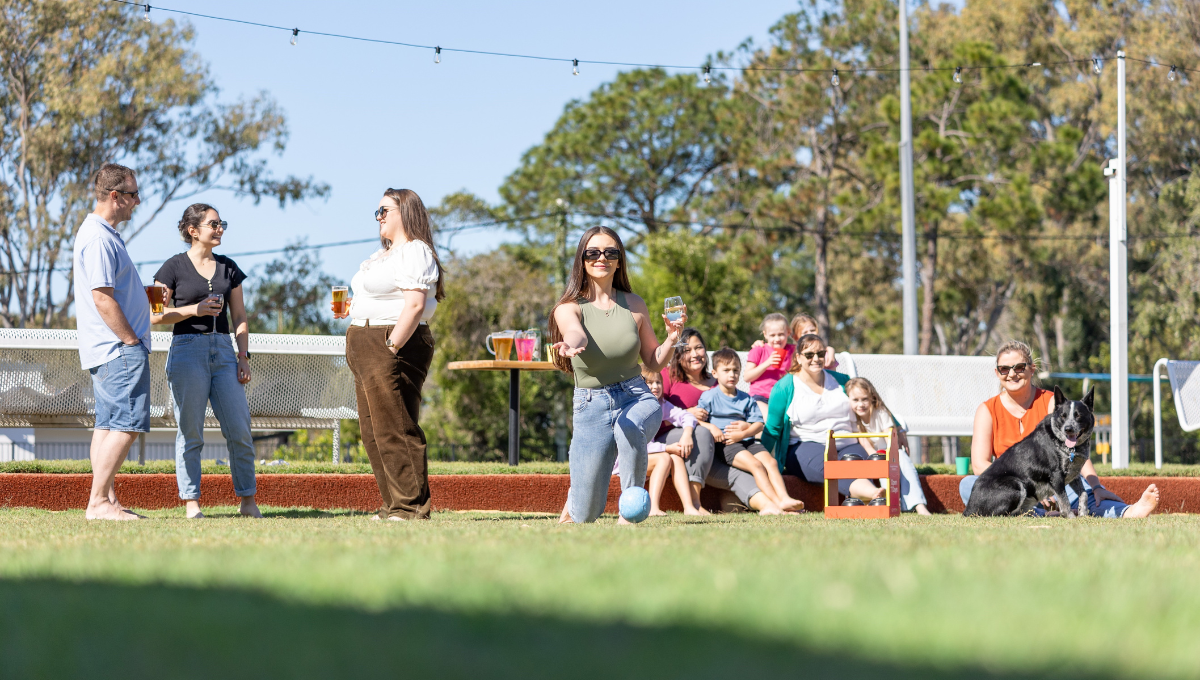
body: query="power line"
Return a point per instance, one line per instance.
(438, 50)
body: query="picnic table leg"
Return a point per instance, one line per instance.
(514, 416)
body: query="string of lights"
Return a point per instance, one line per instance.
(704, 69)
(785, 228)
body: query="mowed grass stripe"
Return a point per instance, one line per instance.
(1102, 598)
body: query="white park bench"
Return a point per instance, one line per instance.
(300, 382)
(1185, 389)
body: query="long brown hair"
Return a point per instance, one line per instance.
(677, 373)
(872, 396)
(414, 219)
(577, 286)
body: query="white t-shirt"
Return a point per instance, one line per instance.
(881, 421)
(813, 415)
(381, 280)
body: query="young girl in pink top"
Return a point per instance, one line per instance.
(769, 361)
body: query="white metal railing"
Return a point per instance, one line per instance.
(1185, 390)
(300, 381)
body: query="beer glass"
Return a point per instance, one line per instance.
(535, 336)
(500, 344)
(524, 344)
(340, 293)
(157, 296)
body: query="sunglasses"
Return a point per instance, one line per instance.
(382, 212)
(128, 193)
(814, 355)
(594, 254)
(1006, 370)
(215, 225)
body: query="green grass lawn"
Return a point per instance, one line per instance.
(311, 594)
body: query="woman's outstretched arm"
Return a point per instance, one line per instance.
(570, 323)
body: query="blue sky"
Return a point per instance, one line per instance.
(365, 117)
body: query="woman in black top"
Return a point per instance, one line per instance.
(202, 366)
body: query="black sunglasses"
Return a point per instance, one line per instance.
(127, 193)
(1019, 368)
(811, 355)
(382, 212)
(593, 254)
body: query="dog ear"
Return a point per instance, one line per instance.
(1089, 398)
(1060, 399)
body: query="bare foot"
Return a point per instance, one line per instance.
(694, 512)
(394, 518)
(791, 504)
(1145, 506)
(702, 511)
(922, 510)
(770, 511)
(565, 517)
(655, 512)
(106, 510)
(250, 509)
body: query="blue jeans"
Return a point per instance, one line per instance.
(203, 368)
(1105, 509)
(610, 422)
(122, 391)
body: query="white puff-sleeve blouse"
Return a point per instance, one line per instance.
(381, 280)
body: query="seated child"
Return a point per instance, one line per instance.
(667, 459)
(802, 325)
(873, 416)
(769, 362)
(734, 419)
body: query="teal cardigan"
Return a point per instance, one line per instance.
(777, 434)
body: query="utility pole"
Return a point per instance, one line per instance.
(908, 247)
(1118, 284)
(561, 240)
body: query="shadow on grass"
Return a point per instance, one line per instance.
(54, 629)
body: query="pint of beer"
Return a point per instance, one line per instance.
(157, 295)
(339, 299)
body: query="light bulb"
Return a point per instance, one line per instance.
(1036, 63)
(295, 33)
(437, 55)
(707, 78)
(146, 16)
(958, 74)
(1096, 66)
(574, 67)
(1171, 74)
(835, 81)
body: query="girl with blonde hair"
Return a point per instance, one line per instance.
(871, 415)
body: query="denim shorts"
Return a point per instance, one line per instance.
(122, 391)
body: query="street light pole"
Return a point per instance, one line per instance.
(908, 249)
(1118, 284)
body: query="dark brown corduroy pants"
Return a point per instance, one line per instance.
(388, 388)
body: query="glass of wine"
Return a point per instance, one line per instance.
(674, 308)
(220, 300)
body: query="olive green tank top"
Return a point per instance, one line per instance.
(613, 346)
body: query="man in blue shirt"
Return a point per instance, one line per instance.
(112, 317)
(735, 419)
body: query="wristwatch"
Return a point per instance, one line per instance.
(244, 355)
(389, 343)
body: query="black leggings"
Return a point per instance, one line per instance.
(806, 460)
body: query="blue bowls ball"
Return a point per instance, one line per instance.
(634, 504)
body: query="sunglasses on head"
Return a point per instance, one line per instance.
(814, 355)
(1006, 370)
(594, 254)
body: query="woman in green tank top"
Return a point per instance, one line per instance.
(598, 330)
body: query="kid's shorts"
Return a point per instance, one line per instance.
(730, 451)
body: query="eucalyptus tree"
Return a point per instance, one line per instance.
(87, 83)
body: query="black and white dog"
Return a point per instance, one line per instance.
(1039, 466)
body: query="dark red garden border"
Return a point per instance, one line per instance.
(518, 493)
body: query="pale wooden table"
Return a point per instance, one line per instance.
(514, 369)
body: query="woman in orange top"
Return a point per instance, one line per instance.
(1008, 417)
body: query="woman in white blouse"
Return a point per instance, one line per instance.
(389, 349)
(804, 406)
